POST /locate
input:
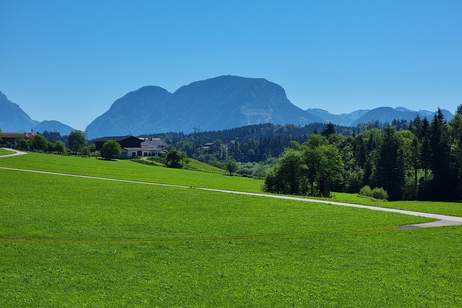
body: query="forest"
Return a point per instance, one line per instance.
(421, 159)
(247, 144)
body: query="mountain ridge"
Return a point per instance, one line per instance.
(212, 104)
(216, 103)
(13, 118)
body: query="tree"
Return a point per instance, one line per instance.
(416, 164)
(231, 166)
(426, 151)
(39, 143)
(329, 168)
(76, 141)
(390, 165)
(174, 159)
(329, 130)
(286, 176)
(313, 169)
(456, 150)
(59, 147)
(442, 185)
(111, 149)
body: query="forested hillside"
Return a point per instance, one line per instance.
(253, 143)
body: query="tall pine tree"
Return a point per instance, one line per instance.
(390, 165)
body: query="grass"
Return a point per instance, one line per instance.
(195, 165)
(75, 242)
(447, 208)
(5, 152)
(125, 169)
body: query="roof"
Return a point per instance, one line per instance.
(116, 138)
(15, 135)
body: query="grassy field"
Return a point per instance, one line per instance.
(125, 169)
(75, 242)
(196, 165)
(5, 152)
(448, 208)
(211, 177)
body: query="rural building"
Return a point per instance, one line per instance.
(12, 138)
(134, 146)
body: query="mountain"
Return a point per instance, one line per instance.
(388, 114)
(12, 117)
(340, 119)
(53, 126)
(212, 104)
(380, 114)
(138, 112)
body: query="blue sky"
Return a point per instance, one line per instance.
(69, 60)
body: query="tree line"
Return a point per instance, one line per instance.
(252, 143)
(52, 142)
(420, 159)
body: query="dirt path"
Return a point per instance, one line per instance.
(440, 220)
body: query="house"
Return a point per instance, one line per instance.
(134, 146)
(11, 138)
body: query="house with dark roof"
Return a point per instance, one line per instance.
(135, 147)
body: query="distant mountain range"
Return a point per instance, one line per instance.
(212, 104)
(14, 119)
(380, 114)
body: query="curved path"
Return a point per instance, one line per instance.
(16, 153)
(440, 220)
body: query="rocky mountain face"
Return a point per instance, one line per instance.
(14, 119)
(211, 104)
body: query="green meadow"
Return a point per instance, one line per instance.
(197, 174)
(5, 152)
(74, 242)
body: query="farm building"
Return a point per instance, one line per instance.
(11, 138)
(134, 146)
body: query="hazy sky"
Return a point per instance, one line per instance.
(69, 60)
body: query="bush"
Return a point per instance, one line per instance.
(376, 193)
(231, 166)
(111, 149)
(366, 191)
(175, 159)
(59, 147)
(379, 193)
(39, 143)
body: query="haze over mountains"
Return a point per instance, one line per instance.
(212, 104)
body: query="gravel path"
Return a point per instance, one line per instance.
(440, 220)
(16, 153)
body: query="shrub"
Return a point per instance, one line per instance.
(175, 159)
(366, 191)
(379, 193)
(39, 143)
(231, 166)
(111, 149)
(376, 193)
(59, 147)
